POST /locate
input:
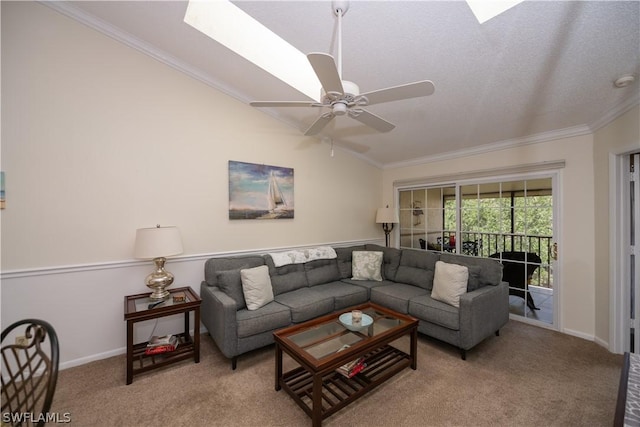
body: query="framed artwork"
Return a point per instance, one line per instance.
(260, 191)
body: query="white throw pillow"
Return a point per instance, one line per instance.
(449, 282)
(256, 286)
(366, 265)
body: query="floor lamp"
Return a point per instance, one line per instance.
(387, 217)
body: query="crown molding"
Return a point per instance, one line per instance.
(115, 33)
(128, 39)
(496, 146)
(617, 111)
(528, 168)
(68, 9)
(608, 117)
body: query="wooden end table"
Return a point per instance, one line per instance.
(136, 309)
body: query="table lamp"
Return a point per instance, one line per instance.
(387, 217)
(157, 243)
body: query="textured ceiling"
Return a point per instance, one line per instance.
(540, 69)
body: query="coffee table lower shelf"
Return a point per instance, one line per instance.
(337, 390)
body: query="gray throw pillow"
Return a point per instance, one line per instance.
(230, 283)
(367, 265)
(475, 279)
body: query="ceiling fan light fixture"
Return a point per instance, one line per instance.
(342, 96)
(339, 108)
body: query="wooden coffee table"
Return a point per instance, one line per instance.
(316, 385)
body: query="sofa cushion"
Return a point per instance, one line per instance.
(396, 296)
(267, 318)
(490, 269)
(321, 271)
(430, 310)
(391, 260)
(306, 303)
(368, 284)
(417, 268)
(286, 278)
(256, 286)
(230, 283)
(344, 259)
(344, 294)
(475, 278)
(213, 265)
(367, 265)
(449, 282)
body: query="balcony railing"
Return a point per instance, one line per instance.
(486, 244)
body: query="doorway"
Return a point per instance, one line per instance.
(626, 267)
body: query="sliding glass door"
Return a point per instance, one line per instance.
(511, 220)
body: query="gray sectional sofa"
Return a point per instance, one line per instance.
(307, 290)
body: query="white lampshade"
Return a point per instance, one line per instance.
(157, 242)
(386, 215)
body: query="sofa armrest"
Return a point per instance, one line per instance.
(482, 313)
(218, 314)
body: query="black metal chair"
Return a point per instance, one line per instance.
(30, 372)
(470, 247)
(519, 273)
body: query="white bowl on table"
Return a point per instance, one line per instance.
(347, 321)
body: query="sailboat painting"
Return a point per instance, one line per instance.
(260, 191)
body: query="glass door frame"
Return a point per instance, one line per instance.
(556, 185)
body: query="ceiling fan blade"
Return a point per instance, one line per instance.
(396, 93)
(325, 68)
(371, 120)
(284, 104)
(319, 124)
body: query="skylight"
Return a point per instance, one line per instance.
(487, 9)
(232, 27)
(235, 29)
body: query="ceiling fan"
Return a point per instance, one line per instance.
(343, 97)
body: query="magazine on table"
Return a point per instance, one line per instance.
(353, 367)
(162, 344)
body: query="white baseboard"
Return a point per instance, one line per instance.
(111, 353)
(92, 358)
(578, 334)
(602, 343)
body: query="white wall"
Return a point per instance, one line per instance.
(584, 248)
(577, 243)
(99, 140)
(621, 136)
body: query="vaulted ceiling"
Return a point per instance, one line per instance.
(538, 71)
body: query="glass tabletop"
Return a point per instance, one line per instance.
(330, 337)
(146, 303)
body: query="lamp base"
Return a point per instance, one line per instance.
(387, 227)
(159, 280)
(159, 295)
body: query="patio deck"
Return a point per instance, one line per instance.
(543, 298)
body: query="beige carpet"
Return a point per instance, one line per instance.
(527, 376)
